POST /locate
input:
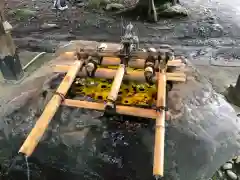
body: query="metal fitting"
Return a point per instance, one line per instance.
(90, 67)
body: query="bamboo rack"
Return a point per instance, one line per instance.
(78, 69)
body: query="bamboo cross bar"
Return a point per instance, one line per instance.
(131, 75)
(111, 53)
(134, 63)
(158, 164)
(137, 63)
(113, 94)
(124, 110)
(51, 108)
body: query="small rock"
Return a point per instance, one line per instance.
(232, 175)
(106, 1)
(227, 166)
(234, 158)
(237, 161)
(114, 6)
(81, 4)
(219, 174)
(74, 138)
(230, 161)
(174, 101)
(49, 26)
(176, 10)
(7, 26)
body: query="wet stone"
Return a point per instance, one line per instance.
(114, 6)
(227, 166)
(74, 138)
(231, 175)
(237, 161)
(235, 157)
(220, 174)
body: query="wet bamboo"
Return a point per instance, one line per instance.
(124, 110)
(106, 73)
(51, 108)
(116, 53)
(133, 63)
(136, 63)
(158, 164)
(113, 94)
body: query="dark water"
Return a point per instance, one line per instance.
(118, 151)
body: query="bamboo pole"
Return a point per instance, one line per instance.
(115, 61)
(106, 73)
(51, 108)
(158, 164)
(124, 110)
(113, 94)
(116, 53)
(136, 63)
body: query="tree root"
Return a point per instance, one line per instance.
(153, 10)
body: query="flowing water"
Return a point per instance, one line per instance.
(28, 169)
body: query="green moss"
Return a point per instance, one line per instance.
(23, 13)
(96, 4)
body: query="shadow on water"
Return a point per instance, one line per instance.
(116, 151)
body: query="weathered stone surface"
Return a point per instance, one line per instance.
(114, 6)
(227, 166)
(232, 175)
(173, 11)
(74, 138)
(233, 94)
(198, 142)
